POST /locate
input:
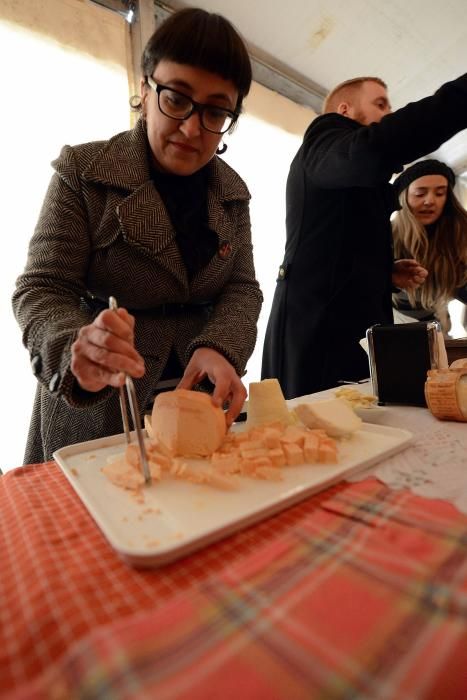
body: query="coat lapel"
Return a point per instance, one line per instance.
(144, 222)
(225, 188)
(123, 161)
(123, 164)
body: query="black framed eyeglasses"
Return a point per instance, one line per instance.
(178, 106)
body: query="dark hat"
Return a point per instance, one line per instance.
(422, 168)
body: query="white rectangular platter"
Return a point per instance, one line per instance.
(178, 517)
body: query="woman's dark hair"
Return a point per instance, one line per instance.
(202, 39)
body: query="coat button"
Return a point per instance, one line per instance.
(54, 383)
(36, 365)
(281, 274)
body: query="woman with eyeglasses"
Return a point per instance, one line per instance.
(431, 226)
(156, 219)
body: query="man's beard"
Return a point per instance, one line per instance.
(360, 118)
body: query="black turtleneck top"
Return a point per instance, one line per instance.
(185, 198)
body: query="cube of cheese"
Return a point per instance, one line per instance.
(256, 452)
(327, 454)
(294, 434)
(277, 457)
(272, 438)
(293, 454)
(311, 448)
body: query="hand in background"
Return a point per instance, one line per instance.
(209, 363)
(408, 274)
(104, 351)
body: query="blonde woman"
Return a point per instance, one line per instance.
(431, 227)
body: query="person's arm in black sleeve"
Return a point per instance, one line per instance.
(339, 152)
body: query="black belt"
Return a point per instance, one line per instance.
(170, 309)
(164, 310)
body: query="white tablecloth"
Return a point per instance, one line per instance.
(434, 465)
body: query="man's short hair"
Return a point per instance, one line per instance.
(347, 91)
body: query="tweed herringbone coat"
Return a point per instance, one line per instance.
(104, 230)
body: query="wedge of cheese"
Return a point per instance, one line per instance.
(266, 403)
(188, 423)
(335, 416)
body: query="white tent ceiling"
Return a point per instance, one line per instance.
(414, 45)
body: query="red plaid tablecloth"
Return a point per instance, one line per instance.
(359, 592)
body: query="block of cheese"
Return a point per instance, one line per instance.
(266, 403)
(335, 416)
(188, 423)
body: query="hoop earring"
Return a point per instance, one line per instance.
(221, 149)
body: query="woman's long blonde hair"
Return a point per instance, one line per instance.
(443, 253)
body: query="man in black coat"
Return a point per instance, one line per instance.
(338, 271)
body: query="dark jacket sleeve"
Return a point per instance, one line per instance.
(339, 152)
